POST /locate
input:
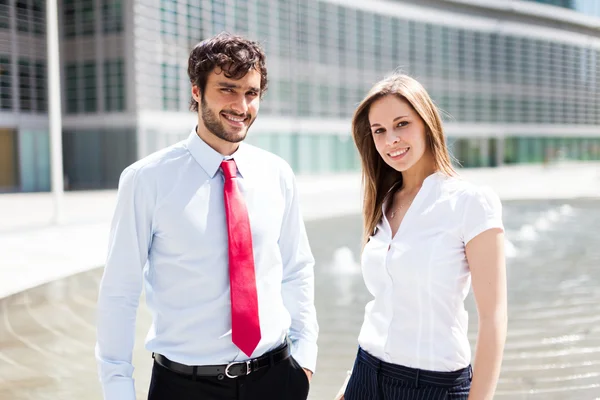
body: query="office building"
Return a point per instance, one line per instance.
(518, 81)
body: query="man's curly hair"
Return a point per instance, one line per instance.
(233, 54)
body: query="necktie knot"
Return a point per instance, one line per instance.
(229, 169)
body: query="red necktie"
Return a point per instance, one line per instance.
(245, 325)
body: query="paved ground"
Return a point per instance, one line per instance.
(33, 250)
(47, 333)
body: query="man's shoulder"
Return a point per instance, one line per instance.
(159, 160)
(270, 161)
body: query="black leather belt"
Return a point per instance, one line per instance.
(231, 370)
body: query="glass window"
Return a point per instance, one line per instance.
(412, 46)
(241, 16)
(4, 14)
(194, 22)
(78, 18)
(324, 21)
(554, 63)
(41, 103)
(263, 18)
(396, 50)
(462, 107)
(114, 83)
(22, 15)
(25, 87)
(445, 52)
(343, 102)
(429, 48)
(378, 41)
(72, 92)
(494, 53)
(81, 87)
(510, 58)
(285, 97)
(324, 101)
(525, 70)
(284, 25)
(524, 110)
(360, 38)
(69, 18)
(540, 62)
(112, 15)
(462, 55)
(419, 45)
(480, 108)
(219, 16)
(302, 49)
(168, 13)
(89, 87)
(38, 16)
(86, 17)
(342, 32)
(477, 55)
(170, 87)
(542, 111)
(510, 109)
(303, 98)
(5, 84)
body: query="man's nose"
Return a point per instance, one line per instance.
(240, 105)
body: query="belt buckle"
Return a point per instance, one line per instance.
(231, 364)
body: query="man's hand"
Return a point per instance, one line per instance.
(308, 374)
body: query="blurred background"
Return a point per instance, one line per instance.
(518, 83)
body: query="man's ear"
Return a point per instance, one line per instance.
(196, 94)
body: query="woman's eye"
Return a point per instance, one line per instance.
(402, 123)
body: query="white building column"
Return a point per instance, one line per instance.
(54, 109)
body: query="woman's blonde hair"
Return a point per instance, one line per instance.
(378, 178)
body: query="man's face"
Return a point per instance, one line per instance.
(228, 107)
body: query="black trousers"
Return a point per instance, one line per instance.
(285, 380)
(373, 379)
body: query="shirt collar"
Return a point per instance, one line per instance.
(427, 184)
(210, 159)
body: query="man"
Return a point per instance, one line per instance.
(211, 226)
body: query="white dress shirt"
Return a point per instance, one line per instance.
(169, 234)
(417, 318)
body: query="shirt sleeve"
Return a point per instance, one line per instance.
(121, 286)
(298, 281)
(483, 211)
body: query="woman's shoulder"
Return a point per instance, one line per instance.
(459, 187)
(467, 196)
(477, 204)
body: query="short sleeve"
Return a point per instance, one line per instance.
(483, 211)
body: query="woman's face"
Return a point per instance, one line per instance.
(398, 132)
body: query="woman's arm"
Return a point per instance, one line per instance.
(485, 255)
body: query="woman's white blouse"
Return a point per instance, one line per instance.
(417, 318)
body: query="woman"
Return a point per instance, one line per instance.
(427, 235)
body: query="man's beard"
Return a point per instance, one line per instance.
(217, 128)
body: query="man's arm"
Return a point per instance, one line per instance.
(121, 286)
(298, 282)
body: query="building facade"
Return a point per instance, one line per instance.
(517, 81)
